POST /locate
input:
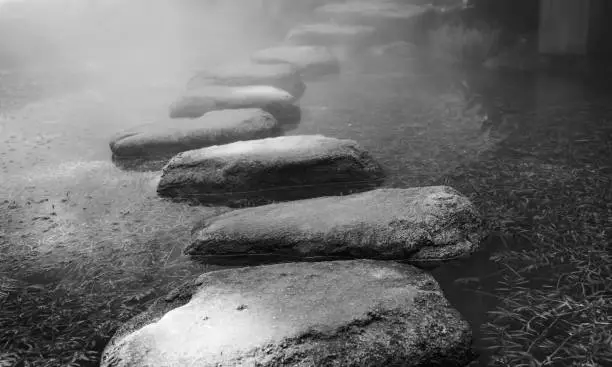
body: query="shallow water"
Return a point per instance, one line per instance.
(67, 202)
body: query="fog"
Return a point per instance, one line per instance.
(129, 41)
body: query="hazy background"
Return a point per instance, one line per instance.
(124, 40)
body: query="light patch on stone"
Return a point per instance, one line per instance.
(238, 311)
(282, 145)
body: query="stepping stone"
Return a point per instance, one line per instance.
(423, 225)
(274, 169)
(282, 76)
(328, 34)
(395, 20)
(355, 11)
(195, 103)
(337, 313)
(400, 49)
(163, 139)
(312, 61)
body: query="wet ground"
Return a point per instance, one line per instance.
(528, 149)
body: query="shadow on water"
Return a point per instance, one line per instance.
(288, 116)
(469, 285)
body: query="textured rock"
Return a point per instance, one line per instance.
(169, 137)
(275, 169)
(338, 313)
(423, 225)
(197, 102)
(282, 76)
(329, 34)
(312, 61)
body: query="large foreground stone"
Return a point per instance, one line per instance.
(275, 169)
(282, 76)
(329, 34)
(338, 313)
(167, 138)
(424, 226)
(195, 103)
(312, 61)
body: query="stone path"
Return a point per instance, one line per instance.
(364, 309)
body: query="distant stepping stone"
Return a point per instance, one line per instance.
(329, 34)
(397, 55)
(399, 49)
(393, 19)
(275, 169)
(195, 103)
(282, 76)
(312, 61)
(423, 225)
(163, 139)
(355, 11)
(336, 313)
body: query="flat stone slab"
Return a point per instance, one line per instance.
(329, 34)
(338, 313)
(311, 61)
(267, 170)
(169, 137)
(282, 76)
(423, 226)
(195, 103)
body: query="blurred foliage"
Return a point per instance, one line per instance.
(518, 16)
(472, 32)
(461, 45)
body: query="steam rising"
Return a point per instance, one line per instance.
(129, 41)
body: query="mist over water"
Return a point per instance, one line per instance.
(128, 43)
(530, 149)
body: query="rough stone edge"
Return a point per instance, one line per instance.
(374, 169)
(182, 294)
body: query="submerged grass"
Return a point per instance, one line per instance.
(75, 268)
(555, 294)
(555, 291)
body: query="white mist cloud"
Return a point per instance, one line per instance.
(128, 39)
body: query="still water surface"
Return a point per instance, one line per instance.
(512, 142)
